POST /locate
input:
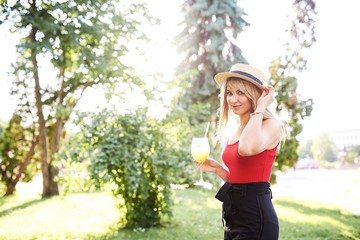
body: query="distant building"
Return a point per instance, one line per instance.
(345, 139)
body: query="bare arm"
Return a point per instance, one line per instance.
(258, 134)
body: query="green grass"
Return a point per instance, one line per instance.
(197, 215)
(311, 220)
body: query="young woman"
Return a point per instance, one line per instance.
(248, 156)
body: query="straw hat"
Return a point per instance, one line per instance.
(242, 71)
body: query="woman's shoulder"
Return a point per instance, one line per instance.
(274, 127)
(273, 122)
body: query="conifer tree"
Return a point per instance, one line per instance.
(207, 44)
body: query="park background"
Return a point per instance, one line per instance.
(310, 201)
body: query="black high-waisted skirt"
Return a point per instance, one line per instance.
(248, 211)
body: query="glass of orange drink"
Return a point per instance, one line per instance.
(200, 151)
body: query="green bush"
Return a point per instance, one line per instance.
(136, 155)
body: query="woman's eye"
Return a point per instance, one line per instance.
(240, 92)
(228, 93)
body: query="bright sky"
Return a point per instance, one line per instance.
(332, 78)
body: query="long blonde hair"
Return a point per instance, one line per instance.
(252, 92)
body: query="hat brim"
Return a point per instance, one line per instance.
(221, 78)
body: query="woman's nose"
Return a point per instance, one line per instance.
(233, 98)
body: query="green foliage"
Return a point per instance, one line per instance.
(136, 155)
(14, 144)
(287, 155)
(178, 128)
(84, 43)
(353, 155)
(323, 149)
(74, 177)
(283, 70)
(184, 125)
(73, 164)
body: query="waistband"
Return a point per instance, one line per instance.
(245, 189)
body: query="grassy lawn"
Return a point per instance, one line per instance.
(196, 216)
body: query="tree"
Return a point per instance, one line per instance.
(323, 149)
(85, 42)
(352, 155)
(24, 140)
(305, 151)
(17, 146)
(283, 77)
(207, 44)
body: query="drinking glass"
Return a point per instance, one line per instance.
(200, 151)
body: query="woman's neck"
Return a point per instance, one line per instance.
(244, 119)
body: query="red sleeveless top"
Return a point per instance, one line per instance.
(246, 169)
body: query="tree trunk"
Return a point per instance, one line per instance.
(45, 167)
(56, 135)
(11, 187)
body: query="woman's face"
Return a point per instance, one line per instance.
(237, 101)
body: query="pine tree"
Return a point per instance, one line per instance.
(206, 42)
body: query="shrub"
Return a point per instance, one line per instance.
(135, 154)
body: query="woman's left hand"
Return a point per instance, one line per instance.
(267, 97)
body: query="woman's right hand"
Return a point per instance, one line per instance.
(213, 166)
(209, 165)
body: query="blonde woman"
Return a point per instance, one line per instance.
(248, 155)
